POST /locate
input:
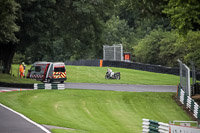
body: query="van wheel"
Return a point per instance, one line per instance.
(61, 81)
(48, 80)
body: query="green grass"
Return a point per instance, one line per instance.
(89, 111)
(15, 70)
(12, 79)
(84, 74)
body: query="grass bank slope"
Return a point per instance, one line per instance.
(89, 111)
(84, 74)
(14, 77)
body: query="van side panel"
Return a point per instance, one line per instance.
(45, 72)
(38, 72)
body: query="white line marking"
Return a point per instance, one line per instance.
(9, 90)
(24, 117)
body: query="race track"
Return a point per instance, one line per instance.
(122, 87)
(13, 122)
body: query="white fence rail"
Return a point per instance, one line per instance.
(189, 103)
(154, 126)
(49, 86)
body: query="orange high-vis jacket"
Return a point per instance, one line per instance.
(21, 69)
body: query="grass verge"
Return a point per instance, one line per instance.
(85, 74)
(12, 79)
(89, 111)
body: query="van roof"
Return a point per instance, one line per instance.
(45, 62)
(42, 62)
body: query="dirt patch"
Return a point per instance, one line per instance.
(196, 98)
(184, 108)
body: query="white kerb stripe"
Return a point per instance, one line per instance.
(29, 120)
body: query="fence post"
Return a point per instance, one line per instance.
(198, 115)
(192, 106)
(179, 91)
(101, 63)
(150, 126)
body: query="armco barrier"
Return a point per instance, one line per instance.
(49, 86)
(189, 103)
(95, 62)
(16, 85)
(150, 126)
(142, 66)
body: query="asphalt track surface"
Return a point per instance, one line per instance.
(13, 122)
(122, 87)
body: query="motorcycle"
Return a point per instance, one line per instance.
(115, 76)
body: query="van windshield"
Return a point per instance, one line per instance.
(59, 69)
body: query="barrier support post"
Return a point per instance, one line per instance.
(101, 63)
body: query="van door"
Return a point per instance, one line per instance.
(30, 72)
(59, 72)
(45, 72)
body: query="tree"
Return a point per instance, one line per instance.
(82, 24)
(144, 14)
(190, 47)
(184, 14)
(8, 28)
(159, 47)
(38, 28)
(118, 32)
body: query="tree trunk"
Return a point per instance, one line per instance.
(6, 55)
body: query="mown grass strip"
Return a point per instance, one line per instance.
(94, 111)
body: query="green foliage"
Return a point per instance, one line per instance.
(157, 48)
(8, 16)
(93, 111)
(190, 46)
(18, 58)
(164, 48)
(118, 32)
(184, 15)
(38, 27)
(144, 15)
(61, 30)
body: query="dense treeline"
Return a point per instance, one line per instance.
(156, 32)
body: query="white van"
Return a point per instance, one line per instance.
(48, 71)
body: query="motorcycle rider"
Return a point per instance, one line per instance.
(110, 72)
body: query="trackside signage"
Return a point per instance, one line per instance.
(182, 129)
